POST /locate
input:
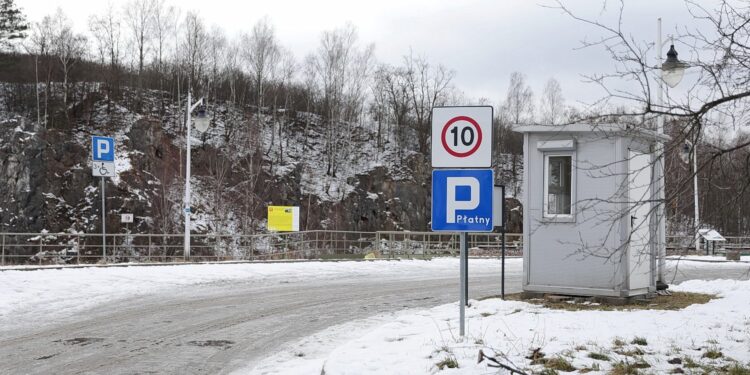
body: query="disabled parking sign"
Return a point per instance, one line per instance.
(103, 156)
(102, 149)
(462, 200)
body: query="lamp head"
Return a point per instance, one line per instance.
(686, 151)
(672, 69)
(201, 119)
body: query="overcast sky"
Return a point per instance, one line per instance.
(482, 40)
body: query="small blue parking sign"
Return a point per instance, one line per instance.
(462, 200)
(102, 148)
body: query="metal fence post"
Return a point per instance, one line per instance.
(3, 248)
(41, 248)
(253, 246)
(78, 247)
(149, 248)
(377, 244)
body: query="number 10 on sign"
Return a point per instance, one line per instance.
(462, 137)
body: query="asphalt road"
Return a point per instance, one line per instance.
(221, 327)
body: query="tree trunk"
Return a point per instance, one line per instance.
(36, 91)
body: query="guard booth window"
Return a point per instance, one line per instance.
(557, 185)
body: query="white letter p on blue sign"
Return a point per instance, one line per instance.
(462, 200)
(452, 204)
(103, 149)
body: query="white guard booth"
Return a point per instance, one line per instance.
(589, 223)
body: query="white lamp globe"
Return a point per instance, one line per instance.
(673, 69)
(201, 120)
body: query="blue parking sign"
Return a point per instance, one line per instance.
(462, 200)
(102, 148)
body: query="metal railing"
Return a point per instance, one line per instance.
(682, 245)
(426, 244)
(86, 248)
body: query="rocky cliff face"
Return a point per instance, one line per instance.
(23, 175)
(238, 166)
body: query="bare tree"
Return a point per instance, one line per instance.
(217, 49)
(106, 30)
(68, 46)
(139, 17)
(517, 109)
(427, 88)
(379, 105)
(39, 45)
(194, 41)
(310, 82)
(519, 101)
(357, 78)
(167, 202)
(551, 103)
(232, 68)
(250, 168)
(340, 67)
(286, 70)
(218, 171)
(164, 20)
(261, 53)
(392, 84)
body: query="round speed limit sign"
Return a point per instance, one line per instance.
(461, 137)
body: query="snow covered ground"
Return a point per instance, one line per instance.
(412, 341)
(33, 297)
(415, 342)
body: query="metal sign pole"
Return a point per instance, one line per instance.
(462, 301)
(104, 227)
(466, 270)
(502, 284)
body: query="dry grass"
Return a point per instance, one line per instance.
(599, 356)
(713, 353)
(627, 368)
(448, 362)
(677, 301)
(559, 364)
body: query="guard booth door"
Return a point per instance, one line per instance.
(639, 198)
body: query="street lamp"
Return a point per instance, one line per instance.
(201, 123)
(672, 71)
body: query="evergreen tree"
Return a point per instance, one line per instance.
(13, 23)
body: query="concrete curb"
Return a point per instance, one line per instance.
(74, 266)
(161, 264)
(158, 264)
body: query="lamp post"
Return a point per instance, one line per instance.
(201, 123)
(672, 71)
(689, 149)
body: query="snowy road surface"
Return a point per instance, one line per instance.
(219, 318)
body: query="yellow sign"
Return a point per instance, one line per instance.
(283, 218)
